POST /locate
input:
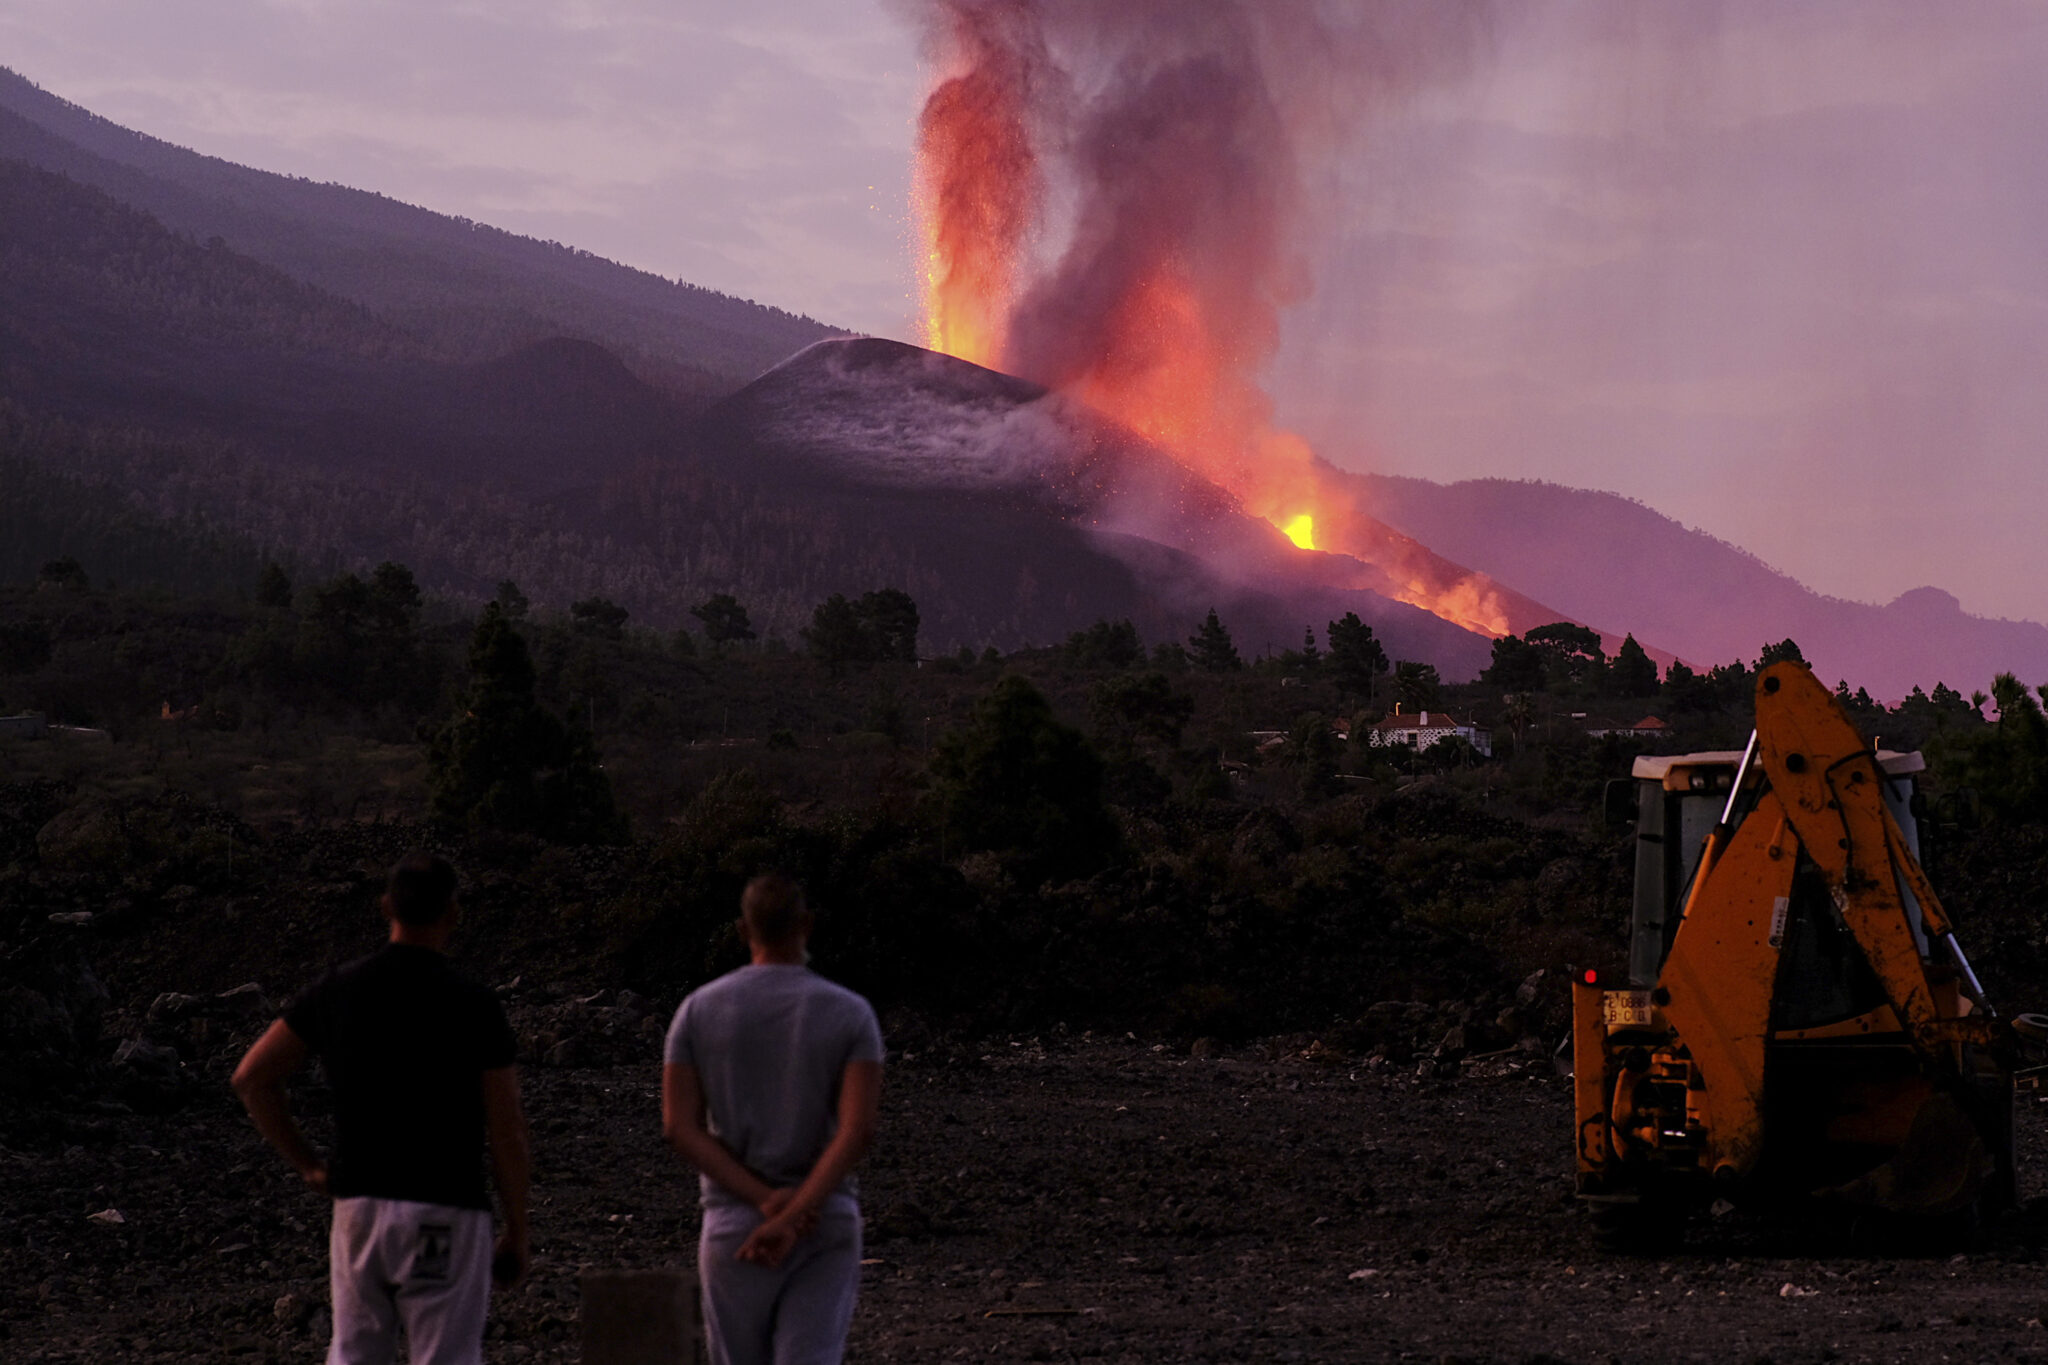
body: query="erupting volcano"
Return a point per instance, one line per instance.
(1112, 199)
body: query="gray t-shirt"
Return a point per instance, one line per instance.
(770, 1043)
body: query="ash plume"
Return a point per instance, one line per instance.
(1116, 196)
(1116, 192)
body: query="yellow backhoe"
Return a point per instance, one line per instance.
(1798, 1026)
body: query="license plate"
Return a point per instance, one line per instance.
(1625, 1009)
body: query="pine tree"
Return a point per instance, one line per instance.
(511, 600)
(1572, 653)
(1633, 673)
(1356, 659)
(1210, 648)
(889, 616)
(880, 628)
(834, 636)
(505, 763)
(1018, 781)
(274, 589)
(1518, 667)
(724, 619)
(1785, 650)
(599, 616)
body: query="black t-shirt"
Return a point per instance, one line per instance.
(405, 1040)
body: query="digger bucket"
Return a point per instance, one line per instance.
(1941, 1168)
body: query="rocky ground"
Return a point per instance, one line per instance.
(1048, 1198)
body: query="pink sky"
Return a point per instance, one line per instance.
(1778, 268)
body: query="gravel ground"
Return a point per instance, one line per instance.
(1038, 1199)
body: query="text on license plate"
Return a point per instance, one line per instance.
(1626, 1009)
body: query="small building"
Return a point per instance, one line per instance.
(1649, 727)
(1420, 729)
(1268, 741)
(27, 725)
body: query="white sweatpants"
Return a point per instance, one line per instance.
(795, 1314)
(426, 1265)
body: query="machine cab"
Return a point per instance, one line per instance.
(1678, 798)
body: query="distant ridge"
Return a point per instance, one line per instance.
(471, 290)
(1611, 560)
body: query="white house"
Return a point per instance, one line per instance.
(1420, 729)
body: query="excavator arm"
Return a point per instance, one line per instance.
(1822, 798)
(1827, 779)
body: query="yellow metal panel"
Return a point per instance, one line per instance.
(1721, 973)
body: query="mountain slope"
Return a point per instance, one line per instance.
(1626, 567)
(471, 290)
(893, 425)
(219, 389)
(107, 316)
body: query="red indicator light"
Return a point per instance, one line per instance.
(1592, 977)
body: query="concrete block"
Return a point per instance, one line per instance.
(641, 1317)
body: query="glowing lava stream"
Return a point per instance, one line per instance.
(1301, 530)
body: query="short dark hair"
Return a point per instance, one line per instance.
(421, 889)
(773, 907)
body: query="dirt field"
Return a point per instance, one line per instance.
(1055, 1199)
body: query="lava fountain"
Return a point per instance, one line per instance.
(1111, 200)
(978, 185)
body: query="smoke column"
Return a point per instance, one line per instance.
(1114, 206)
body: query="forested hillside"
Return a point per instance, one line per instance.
(45, 515)
(466, 289)
(218, 392)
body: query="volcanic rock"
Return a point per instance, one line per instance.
(85, 836)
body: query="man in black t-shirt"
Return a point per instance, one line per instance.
(421, 1063)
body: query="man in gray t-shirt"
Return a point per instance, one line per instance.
(771, 1079)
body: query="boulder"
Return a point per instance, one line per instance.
(149, 1077)
(83, 837)
(246, 1001)
(170, 1007)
